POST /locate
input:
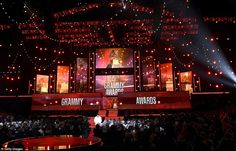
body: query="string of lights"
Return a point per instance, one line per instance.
(39, 66)
(5, 27)
(12, 19)
(132, 6)
(76, 10)
(226, 19)
(13, 70)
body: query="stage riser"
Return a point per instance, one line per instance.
(15, 104)
(210, 100)
(174, 101)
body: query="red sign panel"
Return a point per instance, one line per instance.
(152, 98)
(65, 101)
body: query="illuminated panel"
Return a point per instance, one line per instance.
(42, 83)
(62, 79)
(114, 58)
(111, 85)
(148, 69)
(166, 77)
(185, 81)
(81, 74)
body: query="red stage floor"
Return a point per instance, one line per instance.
(61, 142)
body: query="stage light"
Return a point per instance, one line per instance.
(5, 145)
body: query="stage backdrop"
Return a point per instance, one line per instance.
(42, 83)
(81, 74)
(111, 85)
(114, 58)
(166, 77)
(62, 79)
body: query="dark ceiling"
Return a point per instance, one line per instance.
(14, 12)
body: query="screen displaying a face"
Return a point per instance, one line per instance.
(185, 81)
(42, 83)
(167, 77)
(62, 79)
(111, 85)
(114, 58)
(186, 77)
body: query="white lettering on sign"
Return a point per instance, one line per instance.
(146, 100)
(112, 88)
(72, 101)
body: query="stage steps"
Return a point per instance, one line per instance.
(102, 113)
(112, 112)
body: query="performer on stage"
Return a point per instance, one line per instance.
(97, 119)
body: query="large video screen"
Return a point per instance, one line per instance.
(81, 74)
(148, 68)
(111, 85)
(42, 83)
(185, 81)
(167, 77)
(62, 79)
(114, 58)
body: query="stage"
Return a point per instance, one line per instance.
(61, 142)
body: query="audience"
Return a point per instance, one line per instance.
(18, 127)
(176, 132)
(189, 131)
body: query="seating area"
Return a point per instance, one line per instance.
(15, 127)
(181, 131)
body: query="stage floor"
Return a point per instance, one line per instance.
(61, 142)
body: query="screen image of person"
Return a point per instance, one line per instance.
(115, 60)
(42, 84)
